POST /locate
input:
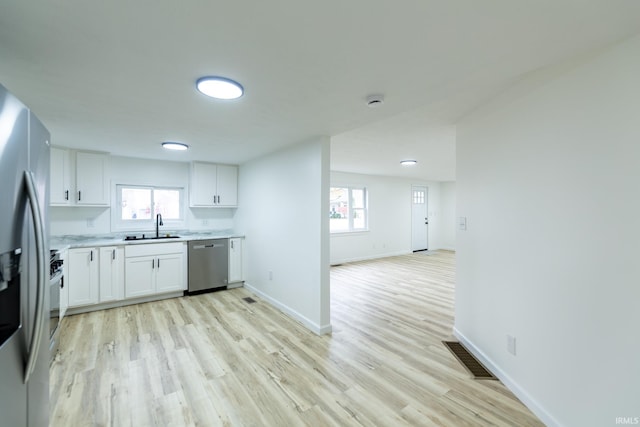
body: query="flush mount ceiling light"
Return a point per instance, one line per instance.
(177, 146)
(408, 162)
(219, 87)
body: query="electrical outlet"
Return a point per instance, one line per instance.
(205, 222)
(90, 223)
(511, 344)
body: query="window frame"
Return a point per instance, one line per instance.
(351, 209)
(146, 224)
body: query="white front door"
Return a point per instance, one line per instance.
(419, 219)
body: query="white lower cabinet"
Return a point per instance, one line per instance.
(139, 276)
(235, 260)
(94, 275)
(82, 276)
(170, 273)
(64, 291)
(111, 273)
(154, 269)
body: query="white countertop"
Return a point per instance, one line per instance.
(117, 239)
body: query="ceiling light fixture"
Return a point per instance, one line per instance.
(408, 162)
(177, 146)
(219, 87)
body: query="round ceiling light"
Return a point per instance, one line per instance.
(408, 162)
(219, 87)
(177, 146)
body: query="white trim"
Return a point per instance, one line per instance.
(515, 388)
(314, 327)
(118, 224)
(122, 303)
(350, 209)
(370, 257)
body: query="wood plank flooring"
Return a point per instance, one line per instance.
(215, 360)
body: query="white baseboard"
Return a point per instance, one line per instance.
(369, 257)
(121, 303)
(312, 326)
(515, 388)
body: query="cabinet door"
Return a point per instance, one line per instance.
(82, 277)
(60, 176)
(170, 273)
(235, 260)
(202, 186)
(139, 276)
(64, 291)
(111, 273)
(227, 186)
(92, 183)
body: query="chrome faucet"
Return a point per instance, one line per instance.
(158, 224)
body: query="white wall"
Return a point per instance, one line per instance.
(389, 218)
(549, 181)
(127, 170)
(448, 221)
(282, 204)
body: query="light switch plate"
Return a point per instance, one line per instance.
(462, 223)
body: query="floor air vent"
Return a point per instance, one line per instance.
(249, 300)
(472, 364)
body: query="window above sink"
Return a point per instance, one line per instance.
(137, 207)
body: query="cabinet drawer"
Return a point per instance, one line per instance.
(153, 249)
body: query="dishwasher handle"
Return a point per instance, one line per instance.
(212, 245)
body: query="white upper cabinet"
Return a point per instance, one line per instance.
(202, 187)
(91, 172)
(227, 185)
(92, 181)
(213, 185)
(60, 176)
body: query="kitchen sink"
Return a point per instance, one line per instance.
(143, 237)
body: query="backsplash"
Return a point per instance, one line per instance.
(70, 221)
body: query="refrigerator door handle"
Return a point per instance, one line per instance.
(36, 333)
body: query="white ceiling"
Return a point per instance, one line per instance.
(119, 75)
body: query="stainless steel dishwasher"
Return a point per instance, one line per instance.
(208, 265)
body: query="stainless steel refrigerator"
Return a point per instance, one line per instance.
(24, 266)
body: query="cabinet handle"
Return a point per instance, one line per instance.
(218, 199)
(91, 256)
(158, 262)
(153, 264)
(232, 244)
(66, 195)
(79, 195)
(113, 254)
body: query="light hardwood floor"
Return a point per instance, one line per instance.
(216, 360)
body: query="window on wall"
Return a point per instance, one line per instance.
(348, 209)
(139, 205)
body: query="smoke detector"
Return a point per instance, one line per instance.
(374, 101)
